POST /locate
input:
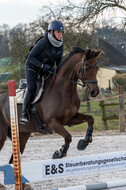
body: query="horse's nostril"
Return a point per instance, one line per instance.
(94, 93)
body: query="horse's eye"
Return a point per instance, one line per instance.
(87, 69)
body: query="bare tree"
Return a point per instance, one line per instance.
(4, 42)
(18, 43)
(84, 13)
(21, 38)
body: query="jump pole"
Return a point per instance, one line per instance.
(15, 135)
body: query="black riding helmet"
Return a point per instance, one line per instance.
(56, 25)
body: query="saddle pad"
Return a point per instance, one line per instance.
(20, 94)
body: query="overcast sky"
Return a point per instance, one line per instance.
(13, 12)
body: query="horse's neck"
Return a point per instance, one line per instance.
(66, 75)
(68, 68)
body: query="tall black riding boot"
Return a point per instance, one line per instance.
(28, 98)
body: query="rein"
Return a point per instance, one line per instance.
(72, 81)
(64, 78)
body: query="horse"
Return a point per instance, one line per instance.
(59, 105)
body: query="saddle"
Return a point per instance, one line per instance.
(38, 94)
(22, 86)
(39, 90)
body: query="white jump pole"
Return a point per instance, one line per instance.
(15, 135)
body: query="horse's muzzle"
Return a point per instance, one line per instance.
(94, 93)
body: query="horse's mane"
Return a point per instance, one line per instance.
(76, 50)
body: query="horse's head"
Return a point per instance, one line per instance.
(87, 71)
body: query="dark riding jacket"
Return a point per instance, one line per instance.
(44, 53)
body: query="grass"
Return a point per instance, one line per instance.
(95, 111)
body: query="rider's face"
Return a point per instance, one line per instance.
(58, 34)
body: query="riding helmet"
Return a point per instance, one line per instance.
(56, 25)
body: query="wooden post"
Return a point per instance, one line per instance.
(0, 89)
(15, 135)
(86, 98)
(88, 106)
(103, 112)
(121, 110)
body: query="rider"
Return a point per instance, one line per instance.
(47, 51)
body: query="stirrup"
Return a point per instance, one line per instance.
(26, 119)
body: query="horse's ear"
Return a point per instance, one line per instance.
(97, 54)
(87, 53)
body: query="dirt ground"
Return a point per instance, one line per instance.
(41, 147)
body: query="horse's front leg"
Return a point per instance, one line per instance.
(78, 119)
(57, 127)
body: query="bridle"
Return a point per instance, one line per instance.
(84, 63)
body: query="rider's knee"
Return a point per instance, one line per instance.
(32, 90)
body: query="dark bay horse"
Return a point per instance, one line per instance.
(60, 105)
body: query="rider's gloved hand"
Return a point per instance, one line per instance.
(46, 67)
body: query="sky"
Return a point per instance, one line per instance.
(13, 12)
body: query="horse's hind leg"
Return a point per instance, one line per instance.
(3, 134)
(2, 141)
(59, 129)
(23, 140)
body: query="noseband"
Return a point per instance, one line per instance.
(83, 63)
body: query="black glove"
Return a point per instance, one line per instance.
(46, 67)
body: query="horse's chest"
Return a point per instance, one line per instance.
(69, 113)
(70, 109)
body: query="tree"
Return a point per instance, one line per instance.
(115, 36)
(72, 38)
(19, 49)
(86, 17)
(21, 38)
(85, 13)
(4, 41)
(91, 9)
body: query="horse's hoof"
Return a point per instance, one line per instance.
(56, 155)
(2, 187)
(26, 186)
(82, 145)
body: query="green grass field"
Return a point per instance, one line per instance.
(95, 111)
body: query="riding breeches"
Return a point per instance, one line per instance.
(31, 77)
